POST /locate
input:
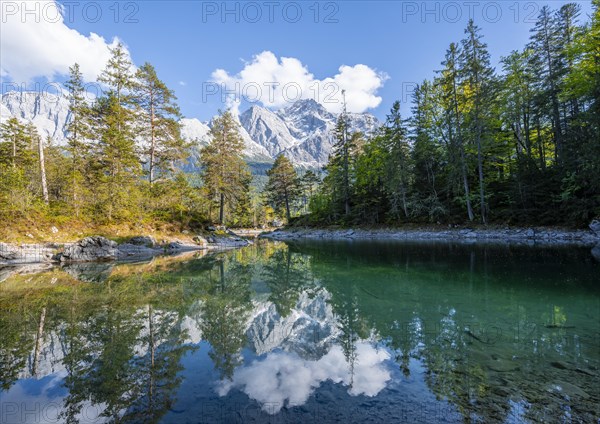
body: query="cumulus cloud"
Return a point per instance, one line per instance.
(40, 44)
(284, 377)
(275, 83)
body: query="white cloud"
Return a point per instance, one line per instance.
(182, 83)
(47, 48)
(277, 82)
(284, 378)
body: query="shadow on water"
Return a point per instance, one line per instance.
(325, 331)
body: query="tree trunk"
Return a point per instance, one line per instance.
(14, 155)
(287, 207)
(466, 184)
(38, 342)
(152, 140)
(43, 171)
(222, 210)
(481, 184)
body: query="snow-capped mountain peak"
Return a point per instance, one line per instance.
(302, 131)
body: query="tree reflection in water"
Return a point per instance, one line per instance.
(498, 340)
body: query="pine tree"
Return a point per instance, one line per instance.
(544, 43)
(118, 75)
(37, 141)
(426, 153)
(78, 133)
(15, 144)
(477, 74)
(309, 183)
(398, 161)
(115, 158)
(283, 187)
(17, 169)
(224, 171)
(452, 98)
(159, 124)
(342, 150)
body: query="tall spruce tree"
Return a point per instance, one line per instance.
(452, 98)
(398, 166)
(115, 157)
(78, 134)
(478, 77)
(224, 172)
(544, 43)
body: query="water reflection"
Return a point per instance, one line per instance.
(358, 331)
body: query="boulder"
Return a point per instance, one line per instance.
(200, 241)
(25, 254)
(136, 251)
(147, 241)
(90, 249)
(595, 226)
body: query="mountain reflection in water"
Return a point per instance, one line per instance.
(358, 331)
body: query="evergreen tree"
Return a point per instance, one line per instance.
(225, 174)
(37, 141)
(398, 161)
(159, 122)
(115, 158)
(477, 75)
(283, 187)
(544, 43)
(15, 144)
(309, 183)
(426, 154)
(17, 162)
(452, 98)
(341, 158)
(78, 134)
(115, 161)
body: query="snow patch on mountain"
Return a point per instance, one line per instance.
(303, 131)
(48, 112)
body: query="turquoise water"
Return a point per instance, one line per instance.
(307, 332)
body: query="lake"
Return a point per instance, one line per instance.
(307, 332)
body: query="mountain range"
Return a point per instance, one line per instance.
(302, 131)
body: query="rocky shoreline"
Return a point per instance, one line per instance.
(101, 249)
(529, 236)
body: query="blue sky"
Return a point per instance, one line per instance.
(402, 42)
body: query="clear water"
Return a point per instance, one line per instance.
(307, 332)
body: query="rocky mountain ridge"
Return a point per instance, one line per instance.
(302, 131)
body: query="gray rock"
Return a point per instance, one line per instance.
(174, 245)
(135, 251)
(90, 249)
(595, 226)
(25, 254)
(200, 241)
(148, 241)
